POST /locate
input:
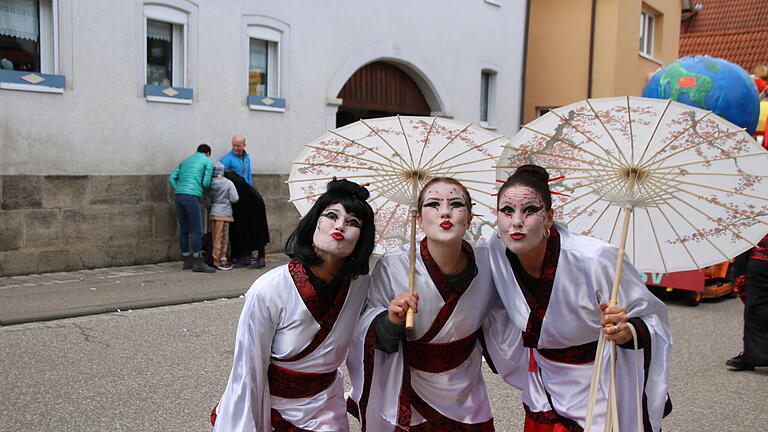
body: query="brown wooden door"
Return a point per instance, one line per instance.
(379, 90)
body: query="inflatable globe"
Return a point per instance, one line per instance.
(710, 83)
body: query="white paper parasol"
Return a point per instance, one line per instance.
(674, 187)
(396, 157)
(696, 183)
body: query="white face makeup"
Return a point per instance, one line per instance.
(337, 232)
(522, 219)
(444, 213)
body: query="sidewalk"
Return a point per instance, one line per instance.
(50, 296)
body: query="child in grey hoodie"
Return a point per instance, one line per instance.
(219, 198)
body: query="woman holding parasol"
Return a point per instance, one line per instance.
(553, 284)
(429, 378)
(297, 322)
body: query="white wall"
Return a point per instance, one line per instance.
(102, 124)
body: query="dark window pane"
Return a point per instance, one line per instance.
(159, 53)
(20, 37)
(485, 87)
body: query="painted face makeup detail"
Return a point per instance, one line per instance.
(444, 212)
(522, 219)
(337, 232)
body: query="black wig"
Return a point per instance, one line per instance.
(352, 196)
(531, 176)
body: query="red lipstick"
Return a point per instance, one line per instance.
(517, 236)
(446, 225)
(338, 236)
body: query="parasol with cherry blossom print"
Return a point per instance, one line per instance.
(396, 157)
(674, 187)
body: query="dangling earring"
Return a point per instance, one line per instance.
(546, 233)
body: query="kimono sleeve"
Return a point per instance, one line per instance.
(503, 344)
(646, 371)
(245, 404)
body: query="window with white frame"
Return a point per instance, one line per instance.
(263, 61)
(166, 46)
(487, 97)
(28, 36)
(647, 31)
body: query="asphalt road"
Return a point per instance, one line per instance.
(163, 369)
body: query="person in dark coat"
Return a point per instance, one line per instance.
(249, 231)
(751, 272)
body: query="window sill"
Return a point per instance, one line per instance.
(261, 103)
(647, 57)
(165, 94)
(486, 125)
(31, 81)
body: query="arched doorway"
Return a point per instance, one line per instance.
(379, 89)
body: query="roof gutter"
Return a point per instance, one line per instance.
(591, 48)
(525, 62)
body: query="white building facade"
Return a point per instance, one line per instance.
(102, 98)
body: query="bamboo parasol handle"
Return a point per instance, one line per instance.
(411, 268)
(620, 258)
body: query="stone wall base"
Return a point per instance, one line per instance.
(65, 223)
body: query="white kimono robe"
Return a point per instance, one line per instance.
(458, 394)
(583, 278)
(275, 325)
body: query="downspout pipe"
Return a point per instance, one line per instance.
(591, 48)
(525, 62)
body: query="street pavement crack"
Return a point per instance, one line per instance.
(90, 338)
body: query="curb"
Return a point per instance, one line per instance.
(115, 307)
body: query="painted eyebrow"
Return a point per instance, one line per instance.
(441, 199)
(526, 203)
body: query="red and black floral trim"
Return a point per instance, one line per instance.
(369, 351)
(450, 296)
(552, 417)
(324, 316)
(539, 301)
(435, 422)
(761, 250)
(213, 414)
(290, 384)
(643, 335)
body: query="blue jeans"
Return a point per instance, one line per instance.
(190, 222)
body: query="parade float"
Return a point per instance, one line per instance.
(727, 90)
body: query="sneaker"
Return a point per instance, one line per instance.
(224, 266)
(187, 260)
(241, 262)
(200, 267)
(740, 363)
(257, 265)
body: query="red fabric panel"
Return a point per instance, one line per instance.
(290, 384)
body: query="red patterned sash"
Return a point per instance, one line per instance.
(579, 354)
(437, 358)
(290, 384)
(324, 316)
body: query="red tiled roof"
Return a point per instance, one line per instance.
(729, 15)
(747, 49)
(735, 30)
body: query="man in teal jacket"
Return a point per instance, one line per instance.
(188, 181)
